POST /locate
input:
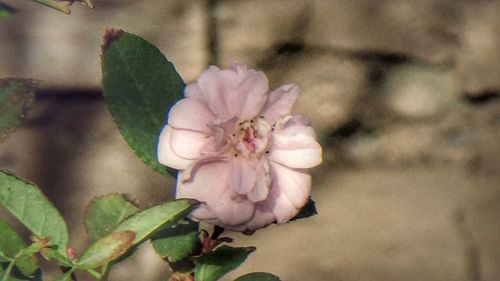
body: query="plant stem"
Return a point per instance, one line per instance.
(94, 273)
(8, 270)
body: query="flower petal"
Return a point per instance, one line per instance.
(280, 102)
(295, 184)
(253, 90)
(166, 156)
(262, 184)
(234, 92)
(188, 144)
(217, 85)
(190, 114)
(262, 216)
(243, 176)
(193, 91)
(211, 184)
(295, 146)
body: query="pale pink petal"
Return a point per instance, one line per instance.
(295, 147)
(165, 154)
(263, 182)
(281, 205)
(234, 92)
(238, 67)
(217, 86)
(262, 217)
(193, 91)
(190, 170)
(211, 184)
(188, 144)
(253, 91)
(203, 211)
(295, 184)
(243, 176)
(280, 103)
(190, 114)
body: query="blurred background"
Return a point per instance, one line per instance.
(404, 96)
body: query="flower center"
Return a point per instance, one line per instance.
(250, 137)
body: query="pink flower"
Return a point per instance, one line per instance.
(239, 150)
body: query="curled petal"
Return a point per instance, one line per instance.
(295, 147)
(292, 183)
(211, 184)
(280, 103)
(190, 114)
(193, 91)
(166, 156)
(289, 192)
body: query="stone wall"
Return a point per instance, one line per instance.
(404, 95)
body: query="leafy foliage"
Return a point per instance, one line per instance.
(11, 245)
(28, 204)
(258, 276)
(140, 85)
(106, 249)
(177, 242)
(213, 265)
(147, 222)
(106, 212)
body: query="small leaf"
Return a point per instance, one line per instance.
(106, 212)
(177, 242)
(6, 10)
(16, 97)
(60, 5)
(106, 249)
(213, 265)
(258, 276)
(11, 244)
(140, 85)
(28, 204)
(308, 210)
(149, 221)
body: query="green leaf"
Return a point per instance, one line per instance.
(28, 204)
(16, 97)
(149, 221)
(60, 5)
(177, 242)
(258, 276)
(106, 212)
(5, 10)
(51, 254)
(106, 249)
(308, 210)
(213, 265)
(140, 85)
(11, 244)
